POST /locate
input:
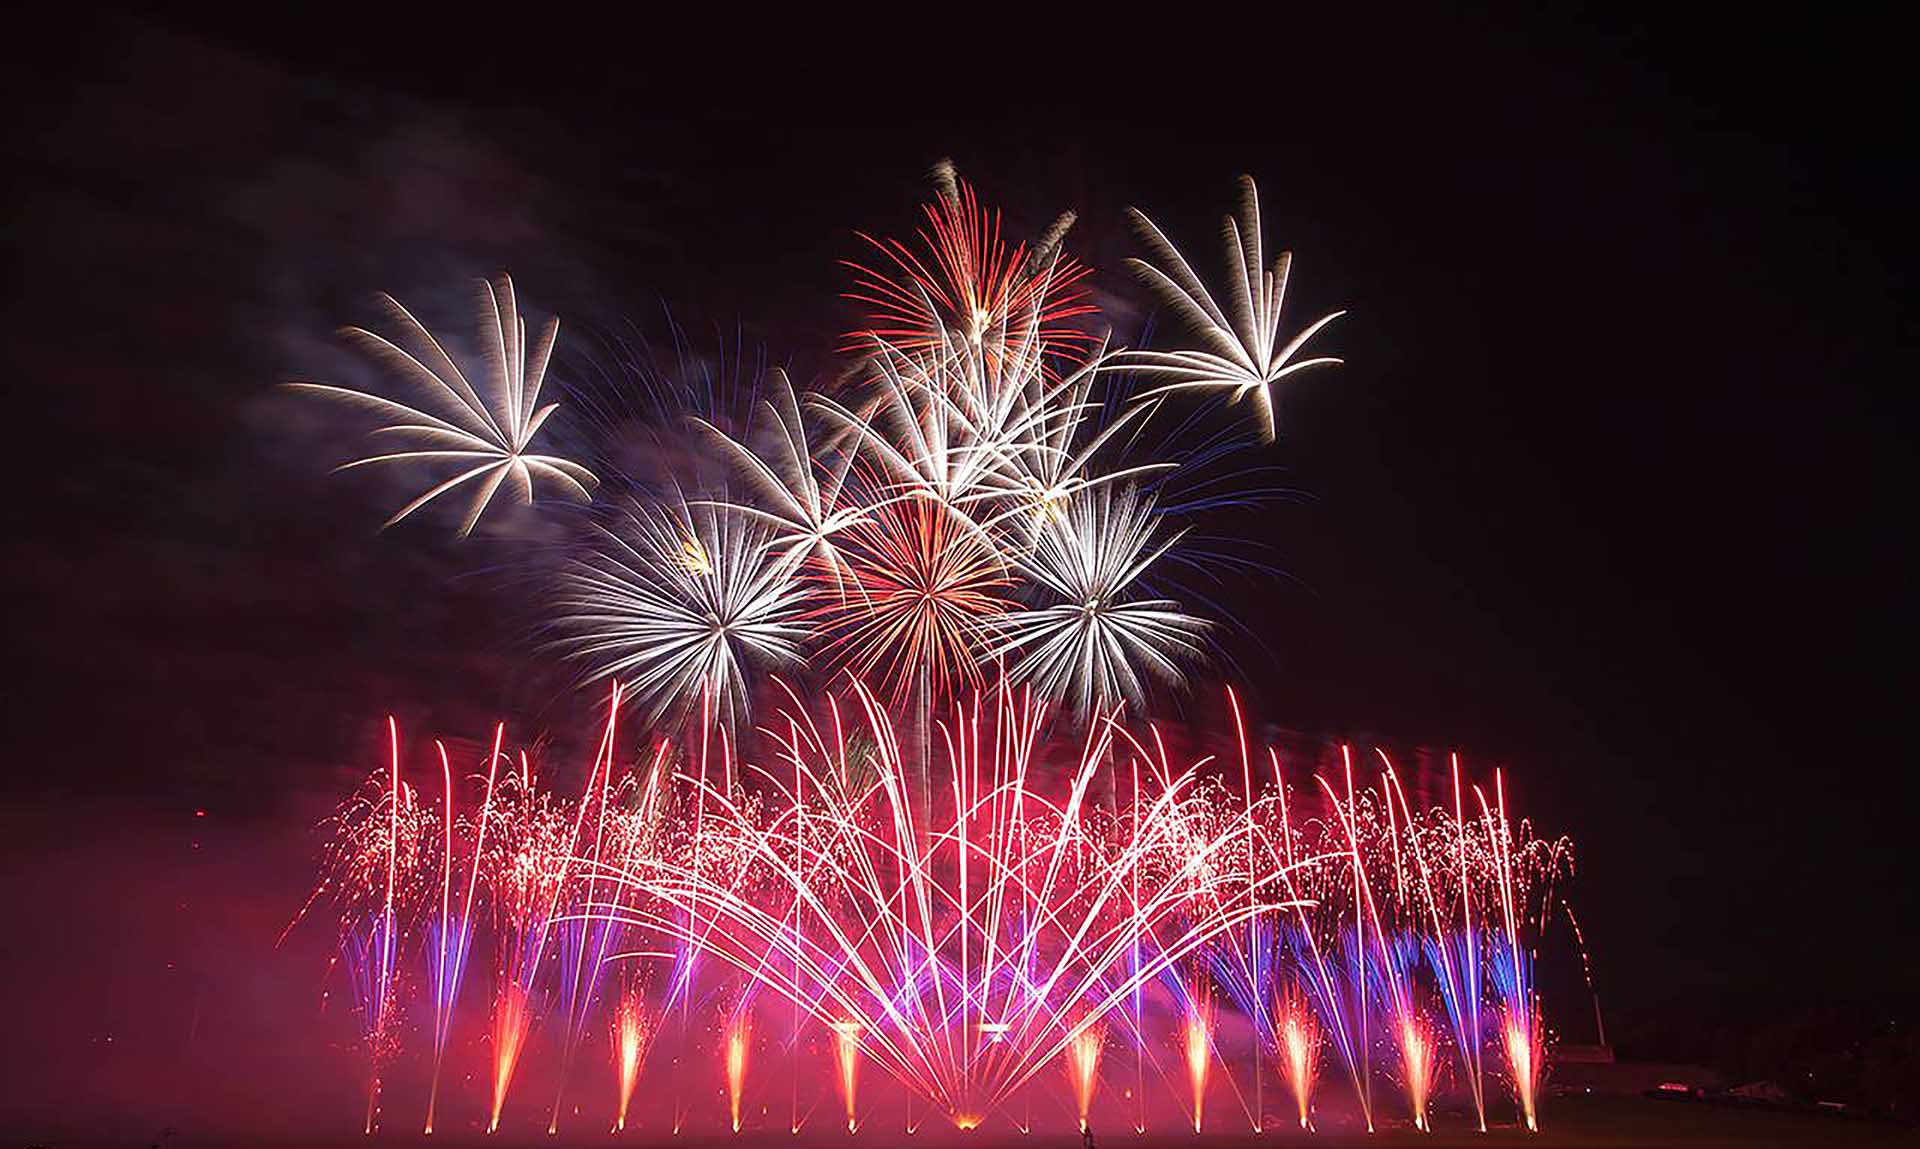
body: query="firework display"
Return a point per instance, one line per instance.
(895, 808)
(1082, 912)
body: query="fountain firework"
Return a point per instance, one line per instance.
(1023, 929)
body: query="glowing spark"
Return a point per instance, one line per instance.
(510, 1018)
(632, 1034)
(1197, 1049)
(737, 1037)
(1083, 1068)
(846, 1055)
(1299, 1048)
(1417, 1069)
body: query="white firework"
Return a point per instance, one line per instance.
(801, 494)
(677, 603)
(995, 439)
(1240, 350)
(1095, 643)
(485, 434)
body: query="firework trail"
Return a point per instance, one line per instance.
(954, 959)
(963, 957)
(453, 943)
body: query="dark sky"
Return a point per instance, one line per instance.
(1606, 492)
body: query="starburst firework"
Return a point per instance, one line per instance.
(1093, 644)
(484, 435)
(969, 284)
(926, 589)
(676, 602)
(1241, 352)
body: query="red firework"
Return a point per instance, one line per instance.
(965, 282)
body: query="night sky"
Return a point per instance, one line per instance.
(1606, 492)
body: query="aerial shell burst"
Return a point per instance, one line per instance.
(485, 434)
(968, 282)
(1241, 353)
(1094, 644)
(917, 601)
(676, 602)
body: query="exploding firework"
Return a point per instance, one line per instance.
(927, 591)
(1240, 353)
(484, 438)
(675, 604)
(968, 283)
(1098, 639)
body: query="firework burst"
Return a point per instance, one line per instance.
(967, 282)
(483, 435)
(1093, 645)
(1240, 350)
(927, 590)
(676, 603)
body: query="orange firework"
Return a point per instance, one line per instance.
(846, 1055)
(1197, 1045)
(632, 1035)
(1298, 1037)
(927, 589)
(1417, 1067)
(739, 1034)
(1083, 1068)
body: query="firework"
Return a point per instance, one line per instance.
(1196, 1047)
(967, 282)
(1297, 1042)
(965, 523)
(1240, 350)
(846, 1060)
(927, 592)
(955, 957)
(964, 947)
(674, 603)
(802, 495)
(486, 439)
(1083, 1069)
(633, 1033)
(1092, 644)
